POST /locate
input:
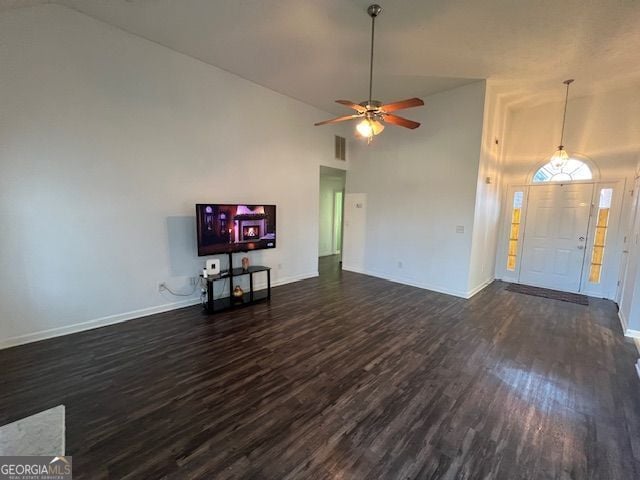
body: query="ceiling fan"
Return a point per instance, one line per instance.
(372, 112)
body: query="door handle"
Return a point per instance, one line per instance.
(581, 239)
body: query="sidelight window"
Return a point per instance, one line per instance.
(600, 237)
(514, 230)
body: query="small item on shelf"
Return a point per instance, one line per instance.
(238, 292)
(245, 263)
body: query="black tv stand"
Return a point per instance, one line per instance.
(248, 298)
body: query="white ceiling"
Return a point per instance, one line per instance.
(318, 51)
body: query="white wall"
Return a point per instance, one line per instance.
(605, 129)
(107, 142)
(329, 185)
(630, 290)
(420, 185)
(488, 193)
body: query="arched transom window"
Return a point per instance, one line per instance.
(574, 169)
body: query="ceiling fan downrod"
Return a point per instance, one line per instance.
(374, 10)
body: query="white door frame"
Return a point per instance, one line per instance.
(338, 222)
(629, 250)
(608, 284)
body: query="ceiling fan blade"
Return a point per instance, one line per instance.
(402, 122)
(410, 102)
(355, 106)
(338, 119)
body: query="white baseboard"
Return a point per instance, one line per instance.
(413, 283)
(623, 320)
(95, 323)
(123, 317)
(353, 268)
(480, 287)
(262, 283)
(631, 333)
(292, 279)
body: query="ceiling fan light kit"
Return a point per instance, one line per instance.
(372, 113)
(560, 157)
(368, 127)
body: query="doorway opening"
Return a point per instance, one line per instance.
(331, 221)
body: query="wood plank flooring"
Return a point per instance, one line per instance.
(344, 376)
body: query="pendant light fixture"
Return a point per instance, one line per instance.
(560, 158)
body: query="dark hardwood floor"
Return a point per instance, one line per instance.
(344, 376)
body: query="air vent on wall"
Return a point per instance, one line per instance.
(341, 148)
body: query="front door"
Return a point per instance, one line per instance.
(555, 236)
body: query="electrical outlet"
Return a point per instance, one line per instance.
(399, 264)
(279, 266)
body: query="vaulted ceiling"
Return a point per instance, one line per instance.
(317, 51)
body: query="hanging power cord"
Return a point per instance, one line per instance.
(164, 287)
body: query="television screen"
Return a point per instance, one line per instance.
(224, 228)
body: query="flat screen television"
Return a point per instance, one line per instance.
(227, 228)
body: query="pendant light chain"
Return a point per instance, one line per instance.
(561, 157)
(564, 116)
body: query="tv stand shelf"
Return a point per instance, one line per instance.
(249, 298)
